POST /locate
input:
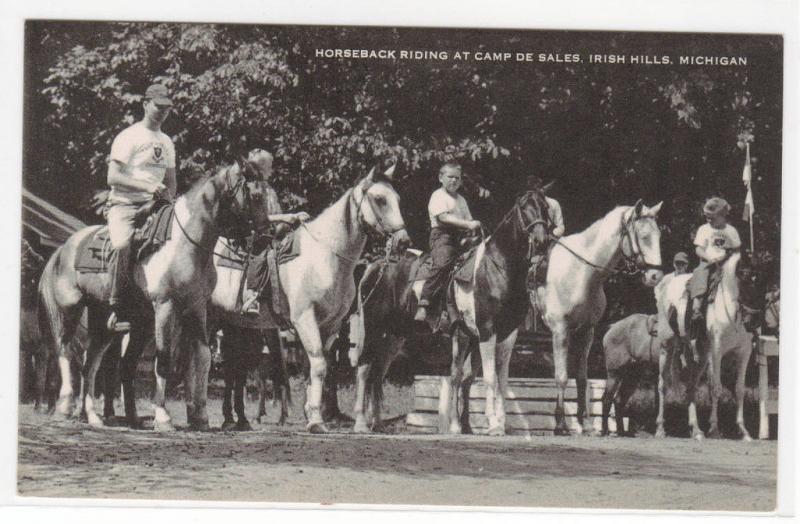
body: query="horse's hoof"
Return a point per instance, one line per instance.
(660, 433)
(361, 427)
(94, 420)
(455, 429)
(561, 432)
(228, 425)
(199, 425)
(163, 426)
(243, 425)
(698, 435)
(64, 408)
(746, 437)
(135, 423)
(317, 427)
(497, 431)
(713, 433)
(282, 420)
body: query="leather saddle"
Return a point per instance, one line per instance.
(153, 223)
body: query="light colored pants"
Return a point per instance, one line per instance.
(120, 223)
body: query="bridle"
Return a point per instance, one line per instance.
(380, 227)
(633, 258)
(233, 225)
(516, 212)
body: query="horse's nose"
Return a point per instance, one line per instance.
(401, 239)
(652, 277)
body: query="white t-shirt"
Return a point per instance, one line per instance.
(144, 155)
(443, 202)
(714, 241)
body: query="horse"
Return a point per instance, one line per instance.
(630, 347)
(319, 283)
(176, 280)
(488, 308)
(572, 300)
(729, 321)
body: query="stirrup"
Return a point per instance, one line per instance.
(251, 307)
(421, 314)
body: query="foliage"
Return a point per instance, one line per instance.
(607, 133)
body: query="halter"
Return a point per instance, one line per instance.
(516, 212)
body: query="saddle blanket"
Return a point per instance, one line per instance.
(95, 251)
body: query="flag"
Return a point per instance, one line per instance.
(747, 178)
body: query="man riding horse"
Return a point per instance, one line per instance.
(556, 229)
(141, 168)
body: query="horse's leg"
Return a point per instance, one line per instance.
(609, 398)
(196, 378)
(362, 374)
(741, 370)
(69, 322)
(394, 346)
(660, 391)
(583, 342)
(278, 372)
(560, 350)
(252, 348)
(109, 368)
(99, 342)
(262, 372)
(308, 332)
(457, 407)
(503, 358)
(715, 385)
(627, 388)
(488, 358)
(167, 332)
(691, 391)
(140, 336)
(230, 347)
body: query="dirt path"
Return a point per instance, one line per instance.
(69, 459)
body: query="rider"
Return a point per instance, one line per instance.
(263, 160)
(450, 217)
(713, 241)
(681, 264)
(140, 168)
(556, 221)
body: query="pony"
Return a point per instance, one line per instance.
(319, 282)
(572, 301)
(630, 346)
(730, 321)
(487, 309)
(176, 281)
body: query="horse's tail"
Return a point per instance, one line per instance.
(51, 322)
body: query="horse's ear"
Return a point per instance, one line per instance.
(371, 175)
(389, 173)
(653, 211)
(548, 186)
(637, 208)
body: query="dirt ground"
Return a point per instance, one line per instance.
(67, 458)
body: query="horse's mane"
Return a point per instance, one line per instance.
(594, 229)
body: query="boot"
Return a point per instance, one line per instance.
(118, 271)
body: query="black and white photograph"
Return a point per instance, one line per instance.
(385, 264)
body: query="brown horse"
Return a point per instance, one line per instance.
(175, 282)
(488, 308)
(630, 346)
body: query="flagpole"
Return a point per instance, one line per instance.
(750, 188)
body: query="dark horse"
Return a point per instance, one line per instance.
(486, 308)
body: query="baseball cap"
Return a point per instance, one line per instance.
(158, 94)
(681, 257)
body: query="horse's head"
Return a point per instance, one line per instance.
(534, 219)
(641, 241)
(751, 292)
(242, 204)
(379, 206)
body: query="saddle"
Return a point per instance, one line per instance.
(261, 273)
(153, 223)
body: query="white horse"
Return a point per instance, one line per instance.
(572, 300)
(319, 283)
(727, 323)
